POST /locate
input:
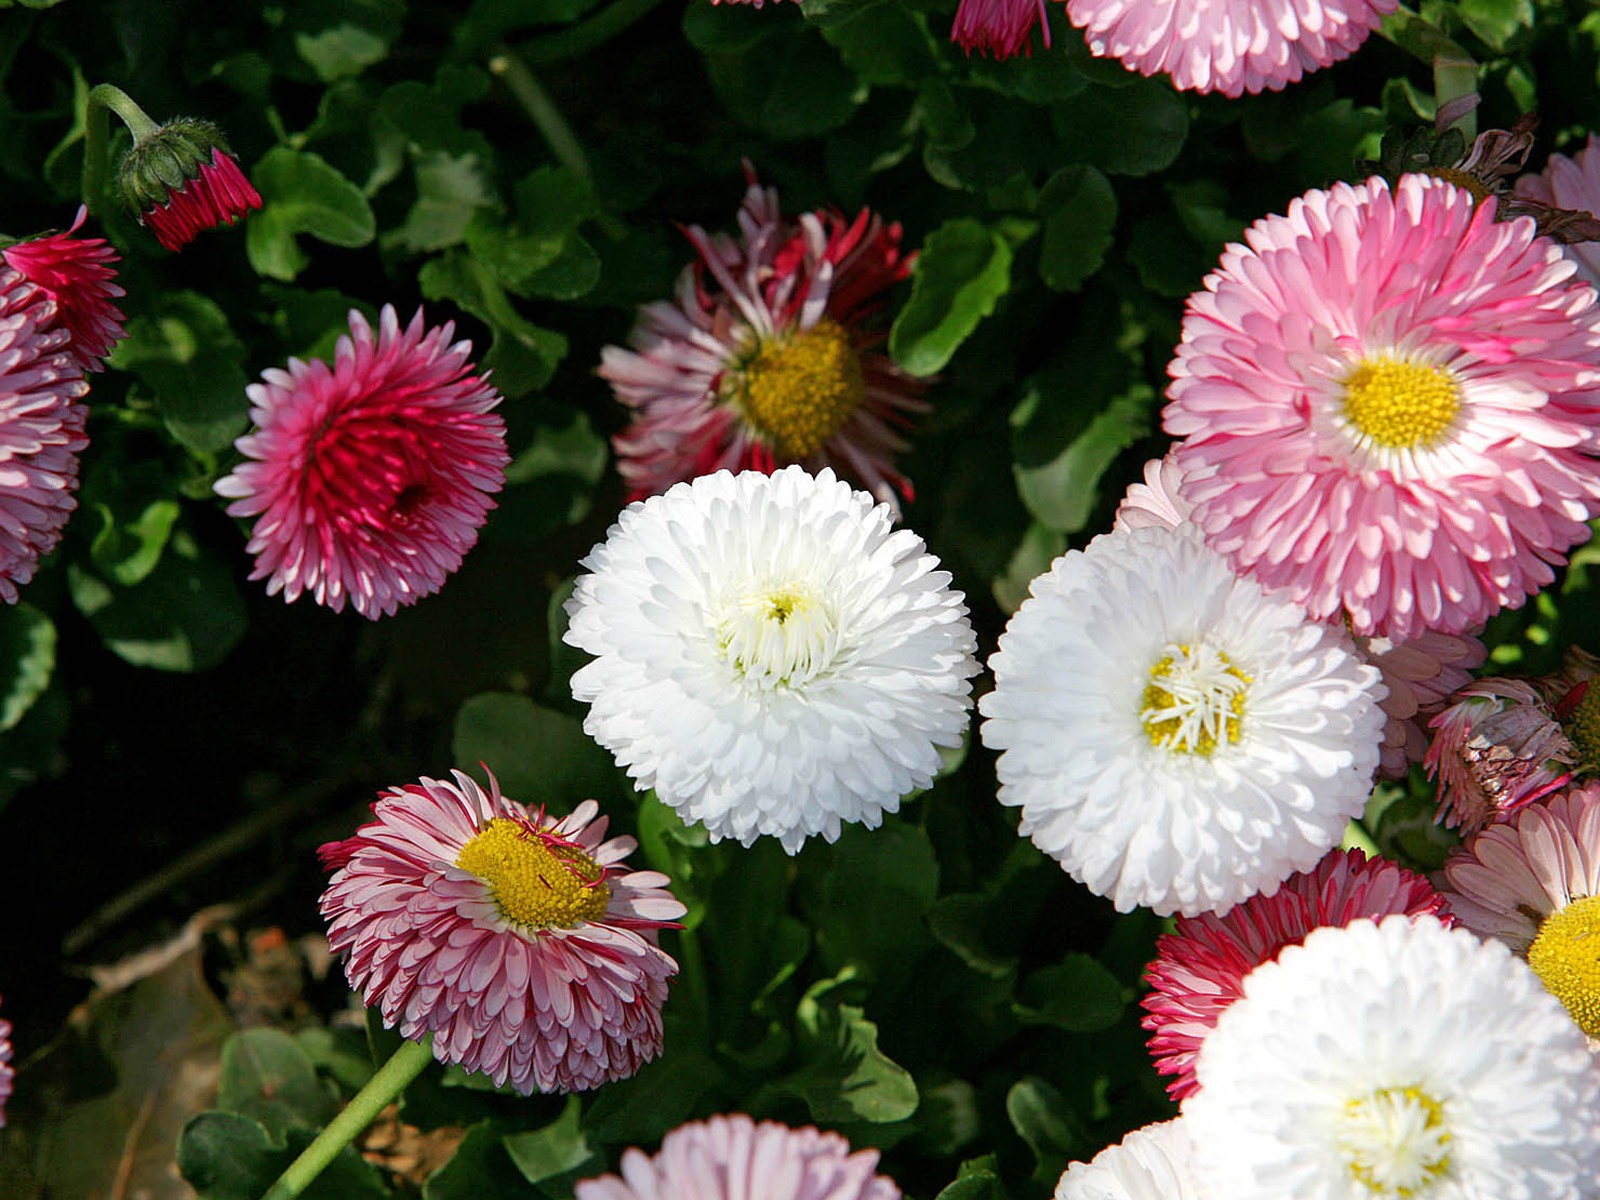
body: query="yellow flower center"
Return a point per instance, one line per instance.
(1462, 179)
(1582, 726)
(778, 635)
(1395, 1142)
(1400, 404)
(1195, 700)
(801, 388)
(1566, 956)
(537, 882)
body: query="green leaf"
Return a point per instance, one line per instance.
(480, 1169)
(1039, 547)
(27, 660)
(301, 193)
(522, 355)
(732, 28)
(451, 189)
(846, 1077)
(340, 51)
(664, 1094)
(186, 353)
(1040, 1115)
(550, 485)
(940, 113)
(959, 922)
(1062, 492)
(1496, 21)
(1080, 211)
(978, 1179)
(1133, 130)
(539, 755)
(963, 270)
(266, 1075)
(557, 1149)
(868, 906)
(883, 43)
(227, 1156)
(1077, 994)
(795, 88)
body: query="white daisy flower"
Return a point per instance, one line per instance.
(771, 655)
(1153, 1163)
(1395, 1061)
(1175, 736)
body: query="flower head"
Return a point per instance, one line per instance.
(1200, 967)
(767, 356)
(1399, 1060)
(371, 477)
(1497, 747)
(6, 1073)
(1232, 47)
(182, 179)
(733, 1158)
(1386, 402)
(771, 655)
(1003, 28)
(1421, 674)
(1532, 881)
(77, 274)
(519, 941)
(1153, 1163)
(1174, 735)
(41, 429)
(1571, 183)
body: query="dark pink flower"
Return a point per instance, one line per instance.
(370, 478)
(520, 942)
(77, 274)
(1200, 968)
(1002, 28)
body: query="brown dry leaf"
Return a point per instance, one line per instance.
(404, 1152)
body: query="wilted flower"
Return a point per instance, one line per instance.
(41, 428)
(1397, 1059)
(771, 655)
(1232, 47)
(1386, 403)
(767, 356)
(733, 1158)
(77, 274)
(1002, 28)
(1176, 736)
(1497, 747)
(1200, 967)
(370, 478)
(520, 942)
(1153, 1163)
(1421, 674)
(1533, 882)
(181, 179)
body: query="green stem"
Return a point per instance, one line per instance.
(541, 110)
(586, 35)
(104, 98)
(1356, 837)
(404, 1065)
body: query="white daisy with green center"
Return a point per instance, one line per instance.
(772, 656)
(1175, 736)
(1397, 1060)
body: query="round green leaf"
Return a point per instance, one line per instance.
(1080, 211)
(301, 193)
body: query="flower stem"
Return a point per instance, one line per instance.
(404, 1065)
(107, 97)
(541, 110)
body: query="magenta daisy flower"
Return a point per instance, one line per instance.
(1002, 28)
(41, 429)
(520, 942)
(733, 1158)
(1200, 968)
(77, 274)
(1387, 406)
(370, 478)
(1496, 748)
(6, 1073)
(1532, 881)
(1571, 183)
(767, 356)
(1231, 47)
(181, 179)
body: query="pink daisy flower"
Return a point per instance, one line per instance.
(1158, 501)
(1571, 183)
(370, 478)
(1532, 881)
(520, 942)
(1496, 748)
(1231, 47)
(6, 1073)
(181, 179)
(77, 274)
(733, 1158)
(766, 356)
(1002, 28)
(1200, 968)
(1388, 406)
(41, 429)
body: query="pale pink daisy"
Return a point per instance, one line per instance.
(1496, 748)
(734, 1158)
(1571, 183)
(370, 478)
(1002, 28)
(1421, 675)
(6, 1072)
(1231, 47)
(769, 356)
(520, 942)
(1532, 881)
(1388, 406)
(77, 274)
(1158, 501)
(41, 428)
(1200, 967)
